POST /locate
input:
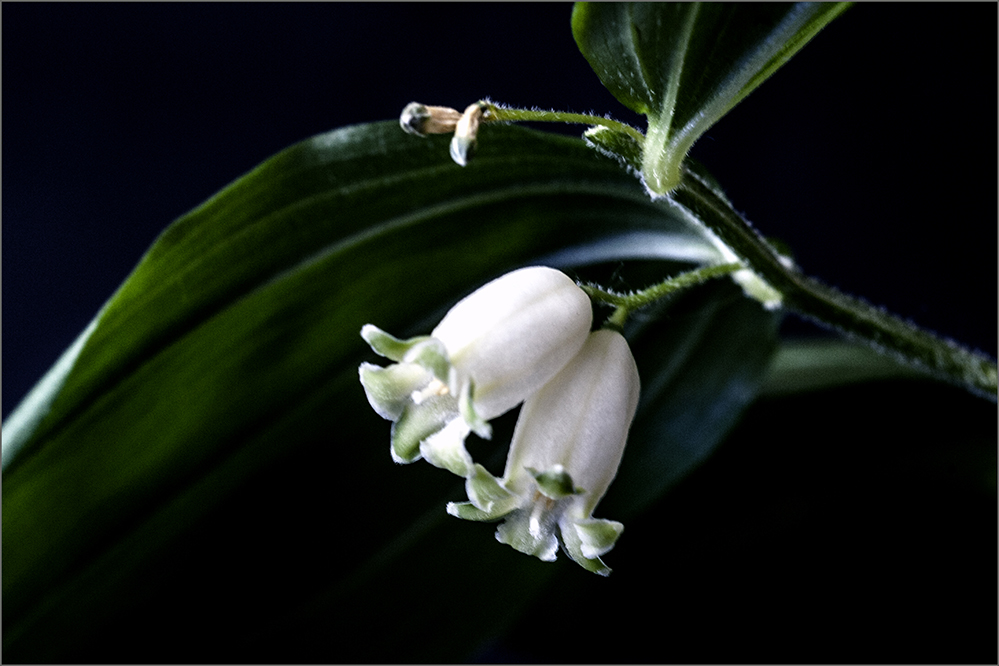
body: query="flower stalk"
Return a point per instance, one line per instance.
(499, 113)
(625, 304)
(422, 120)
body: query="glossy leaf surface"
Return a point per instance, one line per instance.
(801, 366)
(204, 473)
(684, 65)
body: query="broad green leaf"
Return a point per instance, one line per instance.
(203, 473)
(684, 65)
(810, 365)
(709, 365)
(849, 493)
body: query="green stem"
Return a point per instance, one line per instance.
(814, 300)
(625, 304)
(496, 113)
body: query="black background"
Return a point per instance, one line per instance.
(872, 153)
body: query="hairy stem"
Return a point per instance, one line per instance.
(496, 113)
(625, 304)
(814, 300)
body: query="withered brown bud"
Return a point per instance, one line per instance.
(421, 120)
(463, 143)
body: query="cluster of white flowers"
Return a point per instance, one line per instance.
(523, 338)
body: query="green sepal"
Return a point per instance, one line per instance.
(431, 354)
(422, 349)
(390, 389)
(446, 448)
(555, 482)
(468, 511)
(466, 407)
(573, 540)
(488, 494)
(597, 536)
(387, 345)
(417, 423)
(540, 542)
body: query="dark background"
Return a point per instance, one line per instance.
(872, 153)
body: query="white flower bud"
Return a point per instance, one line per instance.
(491, 351)
(566, 449)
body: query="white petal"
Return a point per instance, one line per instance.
(513, 334)
(580, 419)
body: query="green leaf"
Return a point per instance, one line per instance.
(708, 360)
(684, 65)
(801, 366)
(842, 487)
(204, 475)
(857, 319)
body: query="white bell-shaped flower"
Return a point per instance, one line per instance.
(566, 449)
(491, 351)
